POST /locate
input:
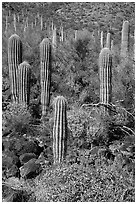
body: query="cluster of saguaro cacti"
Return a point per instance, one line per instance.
(19, 74)
(59, 129)
(45, 61)
(14, 59)
(125, 39)
(24, 83)
(105, 63)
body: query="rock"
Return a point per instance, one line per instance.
(30, 169)
(24, 158)
(8, 159)
(22, 145)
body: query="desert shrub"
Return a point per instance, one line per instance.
(76, 183)
(16, 118)
(78, 57)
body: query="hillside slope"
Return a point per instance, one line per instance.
(77, 15)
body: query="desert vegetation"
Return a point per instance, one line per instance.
(68, 102)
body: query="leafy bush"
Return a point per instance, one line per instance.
(76, 183)
(16, 118)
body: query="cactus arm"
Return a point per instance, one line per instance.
(101, 40)
(108, 41)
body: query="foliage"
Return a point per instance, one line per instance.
(89, 127)
(76, 183)
(80, 74)
(16, 118)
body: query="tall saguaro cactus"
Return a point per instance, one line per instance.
(24, 83)
(45, 61)
(105, 63)
(59, 129)
(125, 39)
(14, 59)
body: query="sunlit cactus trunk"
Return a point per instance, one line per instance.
(125, 39)
(59, 129)
(14, 59)
(24, 83)
(45, 61)
(105, 63)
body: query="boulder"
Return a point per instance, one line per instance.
(24, 158)
(30, 169)
(22, 145)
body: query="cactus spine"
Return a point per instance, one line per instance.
(125, 39)
(59, 129)
(14, 59)
(45, 60)
(108, 41)
(105, 63)
(24, 83)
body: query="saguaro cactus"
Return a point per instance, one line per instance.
(54, 39)
(112, 45)
(59, 129)
(125, 39)
(24, 83)
(14, 21)
(105, 63)
(45, 60)
(62, 34)
(41, 23)
(102, 40)
(108, 41)
(14, 59)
